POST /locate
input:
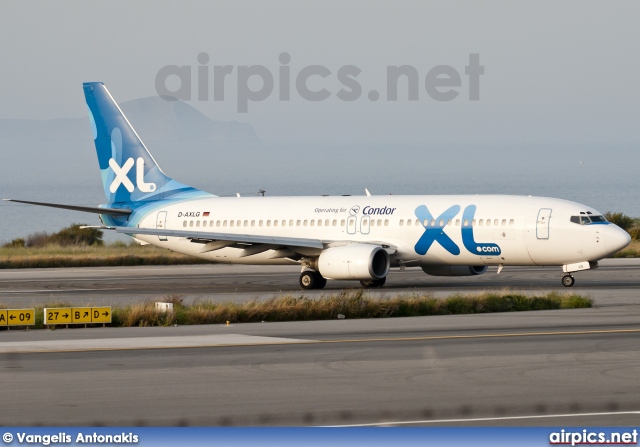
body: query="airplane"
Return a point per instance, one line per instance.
(340, 238)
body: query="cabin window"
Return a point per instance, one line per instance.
(210, 223)
(290, 223)
(259, 223)
(335, 222)
(425, 223)
(232, 223)
(204, 223)
(401, 222)
(488, 222)
(504, 222)
(511, 222)
(319, 222)
(342, 222)
(373, 223)
(495, 223)
(449, 222)
(457, 222)
(473, 223)
(386, 222)
(190, 223)
(197, 223)
(184, 224)
(312, 223)
(246, 223)
(433, 223)
(268, 223)
(304, 223)
(298, 223)
(465, 223)
(480, 222)
(409, 222)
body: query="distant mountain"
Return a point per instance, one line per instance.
(154, 118)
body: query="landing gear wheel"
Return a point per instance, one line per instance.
(568, 280)
(373, 283)
(312, 280)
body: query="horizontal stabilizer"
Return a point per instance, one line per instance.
(85, 209)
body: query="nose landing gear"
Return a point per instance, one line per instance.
(568, 280)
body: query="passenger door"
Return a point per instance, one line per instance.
(161, 223)
(542, 226)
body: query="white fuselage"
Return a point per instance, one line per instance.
(507, 230)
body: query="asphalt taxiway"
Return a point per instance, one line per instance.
(562, 368)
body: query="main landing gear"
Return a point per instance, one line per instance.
(310, 279)
(568, 280)
(373, 283)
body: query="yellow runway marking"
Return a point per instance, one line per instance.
(456, 337)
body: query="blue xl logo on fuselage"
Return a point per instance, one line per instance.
(434, 232)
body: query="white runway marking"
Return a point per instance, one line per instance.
(116, 344)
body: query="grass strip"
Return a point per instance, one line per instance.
(53, 256)
(352, 304)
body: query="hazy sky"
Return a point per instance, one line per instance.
(553, 71)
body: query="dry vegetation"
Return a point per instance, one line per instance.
(351, 304)
(91, 256)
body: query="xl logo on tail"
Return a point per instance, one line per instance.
(122, 179)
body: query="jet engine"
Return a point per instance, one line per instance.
(356, 261)
(454, 270)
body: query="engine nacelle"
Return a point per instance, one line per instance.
(357, 261)
(454, 270)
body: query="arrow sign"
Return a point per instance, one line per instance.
(65, 315)
(101, 314)
(17, 317)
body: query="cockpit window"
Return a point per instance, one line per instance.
(586, 220)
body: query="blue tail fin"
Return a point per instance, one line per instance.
(129, 172)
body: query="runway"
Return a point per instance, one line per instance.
(552, 368)
(615, 282)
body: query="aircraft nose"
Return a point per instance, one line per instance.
(615, 238)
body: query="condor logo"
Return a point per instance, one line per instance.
(122, 179)
(434, 232)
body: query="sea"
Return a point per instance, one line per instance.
(603, 176)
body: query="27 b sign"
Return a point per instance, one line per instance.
(77, 315)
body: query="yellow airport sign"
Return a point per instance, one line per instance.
(77, 315)
(81, 314)
(101, 315)
(17, 317)
(57, 315)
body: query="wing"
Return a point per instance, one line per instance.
(285, 247)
